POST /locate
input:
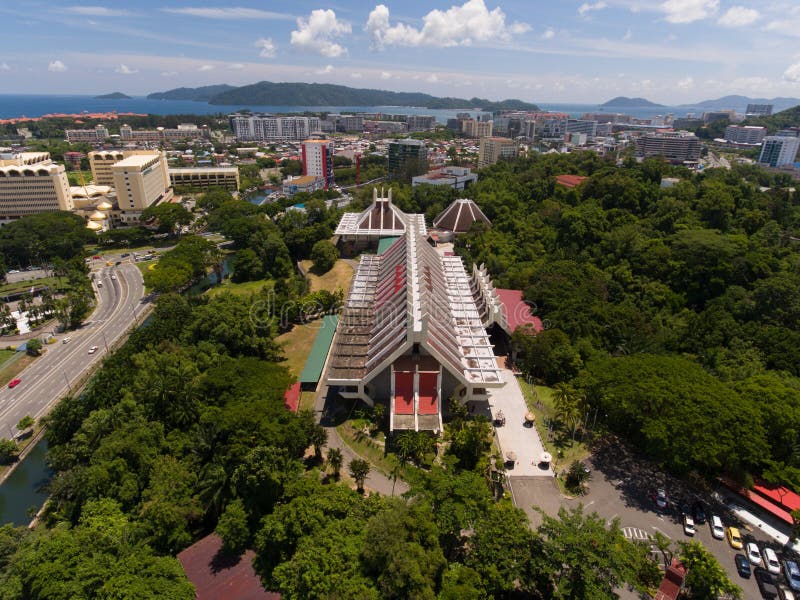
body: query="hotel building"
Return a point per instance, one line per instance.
(317, 156)
(31, 183)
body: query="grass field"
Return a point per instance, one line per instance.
(21, 286)
(74, 177)
(14, 367)
(372, 451)
(338, 277)
(297, 345)
(5, 355)
(240, 289)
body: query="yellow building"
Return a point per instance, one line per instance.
(31, 183)
(493, 149)
(206, 177)
(101, 161)
(141, 180)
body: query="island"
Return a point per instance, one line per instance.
(625, 102)
(113, 96)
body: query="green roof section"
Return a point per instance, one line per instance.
(385, 243)
(312, 370)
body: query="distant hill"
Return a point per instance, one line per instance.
(625, 102)
(267, 93)
(780, 120)
(739, 103)
(113, 96)
(200, 94)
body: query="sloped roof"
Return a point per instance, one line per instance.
(570, 181)
(460, 216)
(381, 219)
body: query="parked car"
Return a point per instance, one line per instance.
(784, 593)
(754, 555)
(699, 511)
(792, 572)
(688, 525)
(771, 561)
(742, 565)
(93, 349)
(14, 383)
(717, 530)
(766, 583)
(735, 538)
(661, 498)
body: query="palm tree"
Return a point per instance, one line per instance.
(359, 469)
(395, 468)
(318, 437)
(335, 460)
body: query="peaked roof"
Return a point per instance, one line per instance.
(381, 219)
(460, 216)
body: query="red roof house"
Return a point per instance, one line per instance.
(570, 181)
(671, 585)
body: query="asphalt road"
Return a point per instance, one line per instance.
(50, 377)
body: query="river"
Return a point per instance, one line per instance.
(21, 495)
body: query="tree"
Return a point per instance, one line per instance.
(9, 451)
(706, 580)
(577, 476)
(335, 460)
(33, 347)
(324, 255)
(318, 438)
(359, 469)
(26, 422)
(547, 354)
(233, 528)
(169, 216)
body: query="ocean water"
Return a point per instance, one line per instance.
(18, 105)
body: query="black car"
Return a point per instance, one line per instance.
(699, 510)
(766, 583)
(742, 565)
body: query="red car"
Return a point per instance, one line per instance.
(14, 383)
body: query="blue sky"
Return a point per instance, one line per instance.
(669, 51)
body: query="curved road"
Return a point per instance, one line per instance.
(50, 377)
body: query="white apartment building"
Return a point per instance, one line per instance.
(101, 162)
(747, 134)
(93, 136)
(141, 180)
(493, 149)
(31, 183)
(779, 151)
(473, 128)
(259, 126)
(318, 159)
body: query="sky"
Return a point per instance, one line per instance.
(668, 51)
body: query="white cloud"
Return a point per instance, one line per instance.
(124, 69)
(587, 7)
(628, 35)
(688, 11)
(205, 68)
(457, 26)
(548, 35)
(232, 12)
(4, 66)
(267, 47)
(792, 73)
(97, 11)
(56, 66)
(317, 32)
(356, 75)
(384, 74)
(686, 84)
(432, 78)
(236, 66)
(324, 70)
(739, 16)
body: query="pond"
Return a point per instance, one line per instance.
(21, 495)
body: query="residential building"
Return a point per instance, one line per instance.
(589, 128)
(576, 139)
(687, 123)
(260, 126)
(718, 115)
(745, 134)
(407, 158)
(30, 183)
(758, 110)
(789, 132)
(371, 126)
(184, 131)
(303, 183)
(74, 159)
(141, 180)
(101, 161)
(779, 151)
(457, 178)
(675, 147)
(93, 136)
(420, 122)
(204, 178)
(604, 129)
(551, 126)
(317, 156)
(474, 128)
(493, 149)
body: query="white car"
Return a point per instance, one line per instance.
(717, 530)
(93, 349)
(771, 560)
(66, 340)
(688, 525)
(786, 593)
(113, 277)
(754, 555)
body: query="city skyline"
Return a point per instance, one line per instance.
(669, 51)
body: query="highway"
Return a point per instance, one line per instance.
(53, 375)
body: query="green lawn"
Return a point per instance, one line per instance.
(20, 286)
(297, 345)
(371, 449)
(6, 355)
(74, 177)
(338, 277)
(240, 289)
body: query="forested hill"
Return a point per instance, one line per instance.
(781, 120)
(625, 102)
(267, 93)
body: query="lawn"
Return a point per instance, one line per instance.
(6, 355)
(11, 368)
(74, 177)
(338, 277)
(19, 286)
(373, 450)
(558, 442)
(297, 345)
(240, 289)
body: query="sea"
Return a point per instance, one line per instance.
(19, 105)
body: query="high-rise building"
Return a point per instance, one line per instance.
(493, 149)
(779, 151)
(407, 158)
(789, 132)
(677, 146)
(101, 161)
(747, 134)
(551, 126)
(206, 177)
(141, 180)
(259, 126)
(420, 122)
(31, 183)
(473, 128)
(582, 126)
(318, 160)
(759, 110)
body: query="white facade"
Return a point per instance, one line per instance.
(779, 151)
(141, 180)
(318, 159)
(748, 134)
(31, 183)
(271, 127)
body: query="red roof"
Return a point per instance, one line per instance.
(570, 181)
(291, 397)
(782, 496)
(216, 576)
(760, 500)
(516, 311)
(673, 580)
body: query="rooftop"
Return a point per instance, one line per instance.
(137, 160)
(460, 216)
(570, 181)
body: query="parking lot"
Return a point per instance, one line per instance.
(623, 487)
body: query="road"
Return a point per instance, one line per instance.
(50, 377)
